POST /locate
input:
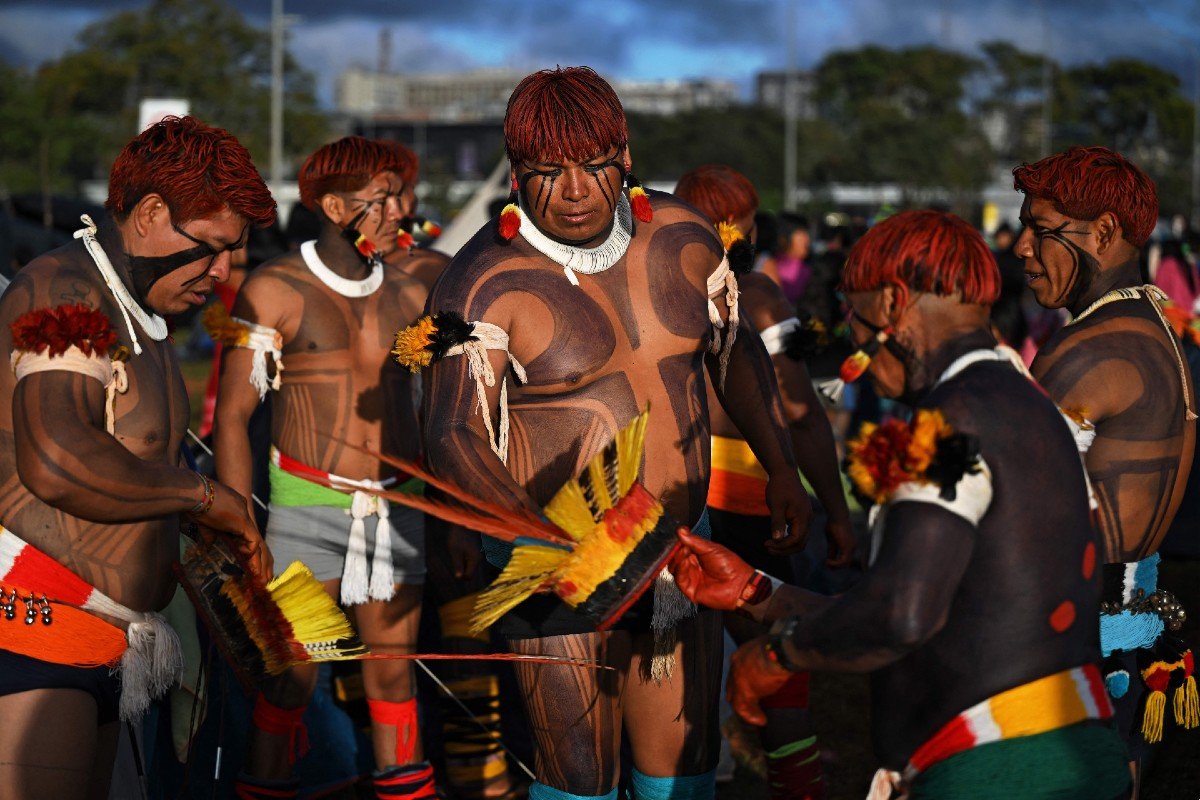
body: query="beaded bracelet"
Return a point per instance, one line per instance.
(210, 494)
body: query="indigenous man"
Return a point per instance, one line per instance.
(91, 421)
(974, 615)
(420, 263)
(598, 318)
(737, 488)
(1118, 367)
(324, 317)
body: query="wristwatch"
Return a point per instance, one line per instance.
(781, 632)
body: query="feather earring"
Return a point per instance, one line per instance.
(510, 217)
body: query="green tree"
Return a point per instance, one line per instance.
(902, 116)
(1137, 109)
(202, 50)
(1015, 99)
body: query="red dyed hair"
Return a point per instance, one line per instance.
(197, 169)
(1084, 182)
(924, 251)
(406, 160)
(718, 192)
(564, 114)
(346, 165)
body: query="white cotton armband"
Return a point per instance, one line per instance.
(486, 336)
(972, 498)
(110, 372)
(775, 337)
(263, 341)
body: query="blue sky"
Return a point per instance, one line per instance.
(649, 39)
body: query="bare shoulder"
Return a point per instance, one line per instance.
(1087, 350)
(271, 290)
(762, 301)
(679, 234)
(65, 276)
(483, 256)
(424, 265)
(672, 209)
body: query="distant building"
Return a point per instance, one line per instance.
(454, 97)
(771, 92)
(675, 97)
(482, 95)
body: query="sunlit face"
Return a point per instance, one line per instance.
(573, 201)
(866, 321)
(1058, 267)
(212, 239)
(378, 208)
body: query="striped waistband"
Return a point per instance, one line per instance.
(738, 483)
(1046, 704)
(23, 565)
(294, 483)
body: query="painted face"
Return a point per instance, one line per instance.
(573, 202)
(208, 245)
(1058, 268)
(376, 210)
(866, 320)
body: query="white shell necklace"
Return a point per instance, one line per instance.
(588, 260)
(154, 325)
(343, 286)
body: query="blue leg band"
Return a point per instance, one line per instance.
(540, 791)
(689, 787)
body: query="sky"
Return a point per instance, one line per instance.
(659, 39)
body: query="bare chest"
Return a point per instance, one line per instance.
(152, 415)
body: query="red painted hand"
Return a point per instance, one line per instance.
(753, 676)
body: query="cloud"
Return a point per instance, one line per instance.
(730, 39)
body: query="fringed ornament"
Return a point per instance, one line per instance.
(1157, 678)
(856, 363)
(639, 201)
(510, 216)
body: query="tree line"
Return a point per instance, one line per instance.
(920, 117)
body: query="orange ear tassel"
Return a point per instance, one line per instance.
(431, 228)
(510, 217)
(404, 239)
(856, 364)
(638, 199)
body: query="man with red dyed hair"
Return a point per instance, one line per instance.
(593, 304)
(973, 616)
(417, 262)
(1119, 368)
(92, 417)
(737, 486)
(327, 314)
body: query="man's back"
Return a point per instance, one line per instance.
(1031, 586)
(1119, 368)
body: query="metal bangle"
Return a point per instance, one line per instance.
(210, 494)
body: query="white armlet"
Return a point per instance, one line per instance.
(489, 337)
(775, 337)
(109, 372)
